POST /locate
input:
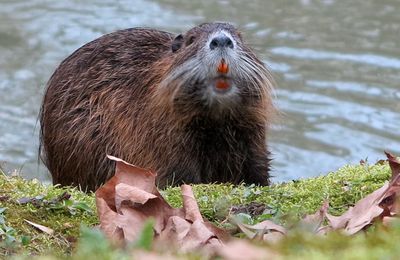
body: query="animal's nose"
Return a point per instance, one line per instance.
(221, 41)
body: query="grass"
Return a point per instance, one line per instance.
(65, 210)
(342, 188)
(65, 217)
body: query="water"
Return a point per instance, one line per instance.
(336, 64)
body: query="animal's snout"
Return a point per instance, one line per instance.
(221, 41)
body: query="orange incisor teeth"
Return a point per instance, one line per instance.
(222, 84)
(223, 67)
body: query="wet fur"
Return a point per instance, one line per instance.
(129, 95)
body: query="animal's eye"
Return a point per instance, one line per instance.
(190, 40)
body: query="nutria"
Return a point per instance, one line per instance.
(194, 108)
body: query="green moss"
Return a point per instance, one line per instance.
(342, 188)
(64, 217)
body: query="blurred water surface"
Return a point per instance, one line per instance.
(336, 64)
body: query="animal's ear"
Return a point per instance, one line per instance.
(177, 43)
(240, 35)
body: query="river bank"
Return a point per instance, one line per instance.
(67, 211)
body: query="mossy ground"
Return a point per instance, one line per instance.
(285, 202)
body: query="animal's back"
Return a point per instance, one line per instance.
(102, 82)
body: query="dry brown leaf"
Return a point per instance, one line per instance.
(124, 192)
(221, 233)
(273, 237)
(42, 228)
(267, 225)
(244, 250)
(265, 230)
(362, 214)
(391, 203)
(108, 221)
(129, 198)
(130, 188)
(314, 221)
(192, 211)
(394, 164)
(379, 204)
(128, 174)
(197, 237)
(175, 230)
(139, 254)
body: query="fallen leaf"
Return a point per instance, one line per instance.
(197, 237)
(131, 191)
(379, 204)
(314, 221)
(264, 230)
(107, 218)
(175, 230)
(140, 254)
(267, 225)
(361, 215)
(130, 197)
(192, 211)
(273, 237)
(124, 192)
(131, 222)
(242, 249)
(41, 227)
(129, 174)
(394, 164)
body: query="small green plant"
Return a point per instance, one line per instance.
(10, 242)
(7, 233)
(145, 240)
(93, 245)
(62, 202)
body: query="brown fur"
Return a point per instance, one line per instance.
(108, 98)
